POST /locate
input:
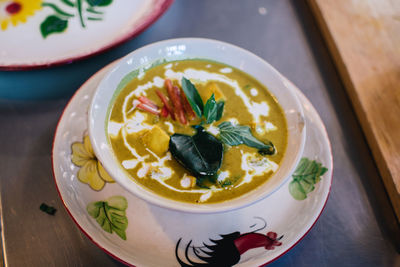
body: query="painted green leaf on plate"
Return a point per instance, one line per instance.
(110, 214)
(99, 2)
(306, 175)
(52, 24)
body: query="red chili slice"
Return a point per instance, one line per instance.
(164, 112)
(166, 103)
(179, 106)
(147, 101)
(176, 101)
(148, 108)
(186, 106)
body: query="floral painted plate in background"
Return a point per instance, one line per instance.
(140, 234)
(42, 33)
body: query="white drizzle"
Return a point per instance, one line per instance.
(254, 92)
(254, 165)
(170, 127)
(130, 163)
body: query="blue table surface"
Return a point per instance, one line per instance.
(357, 227)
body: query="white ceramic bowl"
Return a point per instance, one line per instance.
(186, 48)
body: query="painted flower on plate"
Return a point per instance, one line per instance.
(17, 11)
(91, 171)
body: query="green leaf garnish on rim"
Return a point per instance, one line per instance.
(110, 214)
(193, 96)
(235, 135)
(306, 175)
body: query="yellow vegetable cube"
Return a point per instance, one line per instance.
(208, 90)
(156, 140)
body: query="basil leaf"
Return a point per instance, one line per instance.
(201, 154)
(211, 109)
(110, 214)
(306, 175)
(201, 182)
(52, 24)
(251, 141)
(193, 97)
(234, 135)
(270, 150)
(220, 110)
(206, 181)
(230, 134)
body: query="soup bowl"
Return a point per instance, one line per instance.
(143, 59)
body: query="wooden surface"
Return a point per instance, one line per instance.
(364, 38)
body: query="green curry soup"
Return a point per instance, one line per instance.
(155, 141)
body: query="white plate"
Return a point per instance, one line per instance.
(24, 23)
(153, 233)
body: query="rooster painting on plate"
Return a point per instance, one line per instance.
(226, 252)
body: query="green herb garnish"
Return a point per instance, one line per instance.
(270, 150)
(210, 110)
(306, 175)
(110, 214)
(220, 110)
(48, 209)
(193, 96)
(201, 182)
(213, 110)
(201, 153)
(230, 181)
(234, 135)
(226, 183)
(206, 181)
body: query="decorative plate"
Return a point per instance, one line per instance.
(138, 233)
(61, 31)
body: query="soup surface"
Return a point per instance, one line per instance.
(197, 131)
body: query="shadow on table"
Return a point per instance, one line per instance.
(355, 146)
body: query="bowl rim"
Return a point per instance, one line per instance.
(150, 197)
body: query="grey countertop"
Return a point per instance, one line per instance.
(357, 227)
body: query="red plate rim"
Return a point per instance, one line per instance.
(150, 19)
(127, 263)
